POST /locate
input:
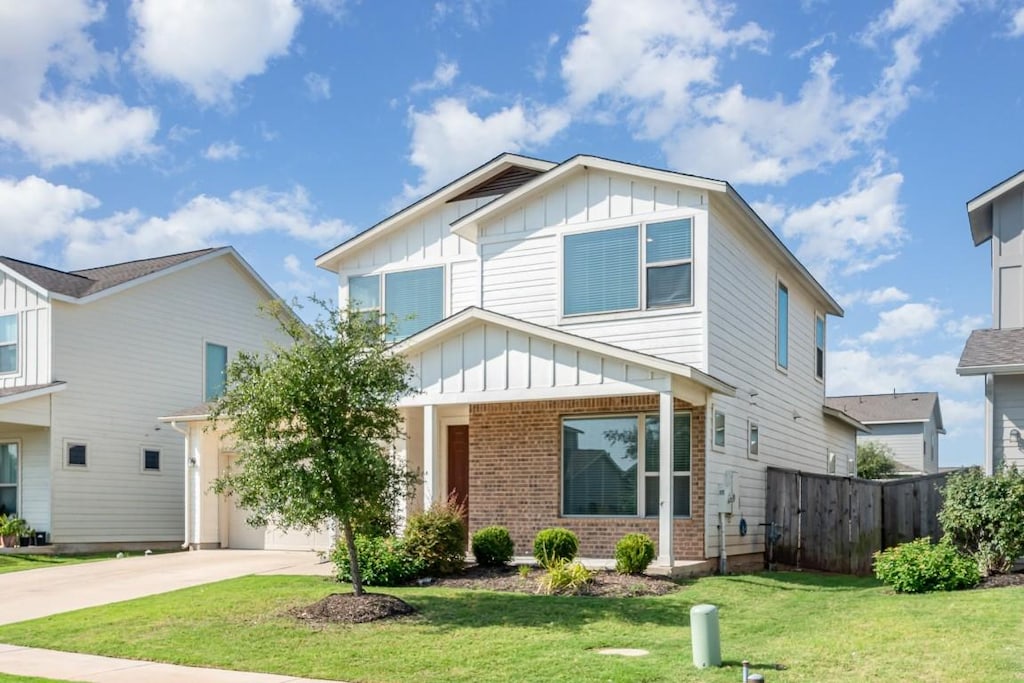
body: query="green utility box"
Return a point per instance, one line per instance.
(707, 650)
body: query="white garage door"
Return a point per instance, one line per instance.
(241, 535)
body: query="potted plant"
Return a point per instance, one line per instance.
(26, 535)
(11, 530)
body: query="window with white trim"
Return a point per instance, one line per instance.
(215, 371)
(8, 343)
(75, 453)
(644, 266)
(602, 474)
(412, 299)
(9, 479)
(150, 460)
(819, 346)
(782, 325)
(718, 438)
(753, 438)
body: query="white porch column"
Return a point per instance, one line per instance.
(666, 416)
(431, 458)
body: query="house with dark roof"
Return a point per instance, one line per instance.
(997, 353)
(605, 347)
(909, 424)
(88, 360)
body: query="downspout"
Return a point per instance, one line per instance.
(185, 433)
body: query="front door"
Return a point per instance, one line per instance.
(458, 467)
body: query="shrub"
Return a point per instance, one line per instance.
(437, 537)
(920, 566)
(633, 553)
(493, 546)
(875, 461)
(383, 561)
(984, 516)
(564, 576)
(554, 544)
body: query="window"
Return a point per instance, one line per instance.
(8, 479)
(216, 371)
(9, 343)
(782, 326)
(76, 454)
(754, 434)
(719, 437)
(830, 462)
(601, 269)
(602, 474)
(150, 460)
(413, 299)
(819, 347)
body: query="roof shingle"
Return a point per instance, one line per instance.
(909, 407)
(985, 348)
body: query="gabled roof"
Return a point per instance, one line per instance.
(13, 394)
(494, 176)
(81, 286)
(979, 209)
(993, 351)
(846, 419)
(890, 408)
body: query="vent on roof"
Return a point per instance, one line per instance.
(506, 181)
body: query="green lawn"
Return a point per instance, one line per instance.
(17, 563)
(10, 678)
(820, 628)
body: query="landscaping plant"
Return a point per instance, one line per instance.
(564, 576)
(554, 545)
(984, 516)
(633, 554)
(436, 537)
(922, 566)
(875, 461)
(382, 561)
(493, 546)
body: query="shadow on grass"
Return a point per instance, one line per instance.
(806, 581)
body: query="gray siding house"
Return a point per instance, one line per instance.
(997, 354)
(909, 424)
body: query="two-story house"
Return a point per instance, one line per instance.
(88, 360)
(909, 424)
(997, 354)
(604, 347)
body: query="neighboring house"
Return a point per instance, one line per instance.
(601, 346)
(909, 424)
(88, 360)
(997, 354)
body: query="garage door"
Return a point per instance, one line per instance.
(243, 536)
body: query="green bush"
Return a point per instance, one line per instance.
(875, 461)
(633, 553)
(383, 561)
(437, 538)
(984, 516)
(563, 576)
(921, 566)
(493, 546)
(554, 544)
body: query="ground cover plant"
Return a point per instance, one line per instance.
(818, 627)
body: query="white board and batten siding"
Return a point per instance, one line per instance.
(521, 254)
(128, 358)
(905, 439)
(785, 404)
(1008, 260)
(492, 363)
(33, 311)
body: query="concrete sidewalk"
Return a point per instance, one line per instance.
(28, 661)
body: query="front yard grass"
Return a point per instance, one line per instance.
(17, 563)
(818, 627)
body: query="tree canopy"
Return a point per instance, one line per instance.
(313, 424)
(875, 461)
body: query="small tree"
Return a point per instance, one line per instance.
(984, 516)
(313, 424)
(875, 461)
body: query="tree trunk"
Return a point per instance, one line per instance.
(353, 558)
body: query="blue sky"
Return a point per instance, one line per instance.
(857, 130)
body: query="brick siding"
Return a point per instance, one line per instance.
(515, 465)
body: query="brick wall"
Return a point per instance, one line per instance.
(515, 465)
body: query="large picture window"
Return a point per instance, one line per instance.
(602, 273)
(413, 299)
(8, 343)
(602, 474)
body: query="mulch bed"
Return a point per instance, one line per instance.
(346, 608)
(606, 584)
(1002, 580)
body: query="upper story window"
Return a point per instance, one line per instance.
(819, 347)
(601, 270)
(9, 343)
(782, 326)
(414, 299)
(215, 372)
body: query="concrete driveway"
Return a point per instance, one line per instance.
(51, 590)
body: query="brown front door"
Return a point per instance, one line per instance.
(458, 466)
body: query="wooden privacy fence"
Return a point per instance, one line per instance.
(834, 523)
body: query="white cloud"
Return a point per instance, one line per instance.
(302, 283)
(961, 417)
(449, 139)
(963, 326)
(65, 125)
(474, 13)
(223, 151)
(886, 295)
(859, 371)
(1017, 23)
(209, 46)
(444, 73)
(812, 45)
(318, 86)
(179, 133)
(49, 209)
(908, 320)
